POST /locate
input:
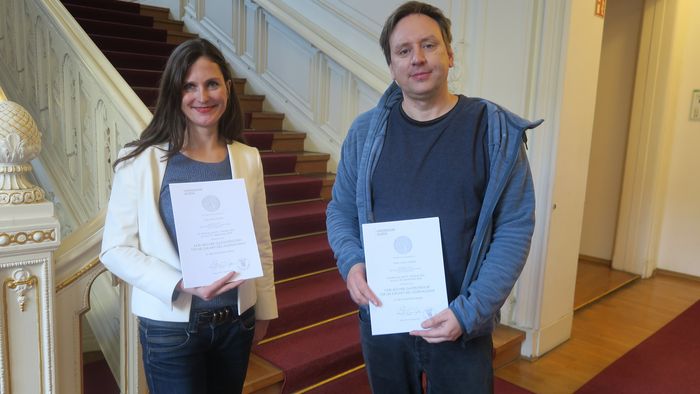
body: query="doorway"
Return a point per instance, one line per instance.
(616, 79)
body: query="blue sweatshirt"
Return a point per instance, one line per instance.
(504, 228)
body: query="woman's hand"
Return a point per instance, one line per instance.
(209, 292)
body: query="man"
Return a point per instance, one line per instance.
(425, 152)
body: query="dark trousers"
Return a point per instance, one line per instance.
(199, 356)
(395, 363)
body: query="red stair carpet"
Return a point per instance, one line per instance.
(98, 379)
(666, 362)
(315, 341)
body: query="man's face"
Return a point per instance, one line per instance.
(420, 58)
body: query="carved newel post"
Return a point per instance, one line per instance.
(29, 234)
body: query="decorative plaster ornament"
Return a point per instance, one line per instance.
(20, 142)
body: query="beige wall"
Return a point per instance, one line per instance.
(618, 61)
(679, 245)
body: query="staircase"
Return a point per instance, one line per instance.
(314, 345)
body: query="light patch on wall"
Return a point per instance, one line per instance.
(695, 106)
(600, 8)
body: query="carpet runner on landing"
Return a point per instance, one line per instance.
(666, 362)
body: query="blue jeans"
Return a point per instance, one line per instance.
(395, 363)
(206, 355)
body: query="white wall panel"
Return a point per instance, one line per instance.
(335, 109)
(290, 64)
(366, 97)
(219, 13)
(498, 59)
(251, 39)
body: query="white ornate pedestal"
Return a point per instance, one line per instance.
(29, 235)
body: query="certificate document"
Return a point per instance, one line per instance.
(215, 232)
(405, 270)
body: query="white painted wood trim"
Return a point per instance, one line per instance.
(374, 77)
(642, 198)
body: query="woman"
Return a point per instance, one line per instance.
(194, 340)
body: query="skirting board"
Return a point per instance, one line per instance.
(539, 342)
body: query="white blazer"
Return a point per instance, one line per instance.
(136, 246)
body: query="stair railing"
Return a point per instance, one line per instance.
(86, 112)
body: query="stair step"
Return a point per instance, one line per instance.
(278, 163)
(312, 163)
(132, 45)
(265, 120)
(288, 141)
(141, 78)
(353, 381)
(168, 24)
(292, 187)
(309, 300)
(101, 14)
(155, 12)
(122, 30)
(261, 140)
(149, 96)
(506, 345)
(315, 354)
(178, 37)
(128, 60)
(327, 180)
(294, 162)
(239, 85)
(251, 102)
(295, 219)
(262, 377)
(299, 256)
(122, 6)
(276, 140)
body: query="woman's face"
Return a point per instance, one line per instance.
(204, 96)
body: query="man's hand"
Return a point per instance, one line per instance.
(260, 330)
(440, 328)
(208, 292)
(357, 285)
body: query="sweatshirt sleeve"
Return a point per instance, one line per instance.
(511, 233)
(342, 219)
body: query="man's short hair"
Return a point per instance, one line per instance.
(409, 8)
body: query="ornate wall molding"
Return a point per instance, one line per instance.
(21, 282)
(26, 326)
(23, 237)
(20, 142)
(84, 107)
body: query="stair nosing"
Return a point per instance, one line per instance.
(307, 327)
(292, 237)
(293, 278)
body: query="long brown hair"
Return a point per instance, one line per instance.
(169, 123)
